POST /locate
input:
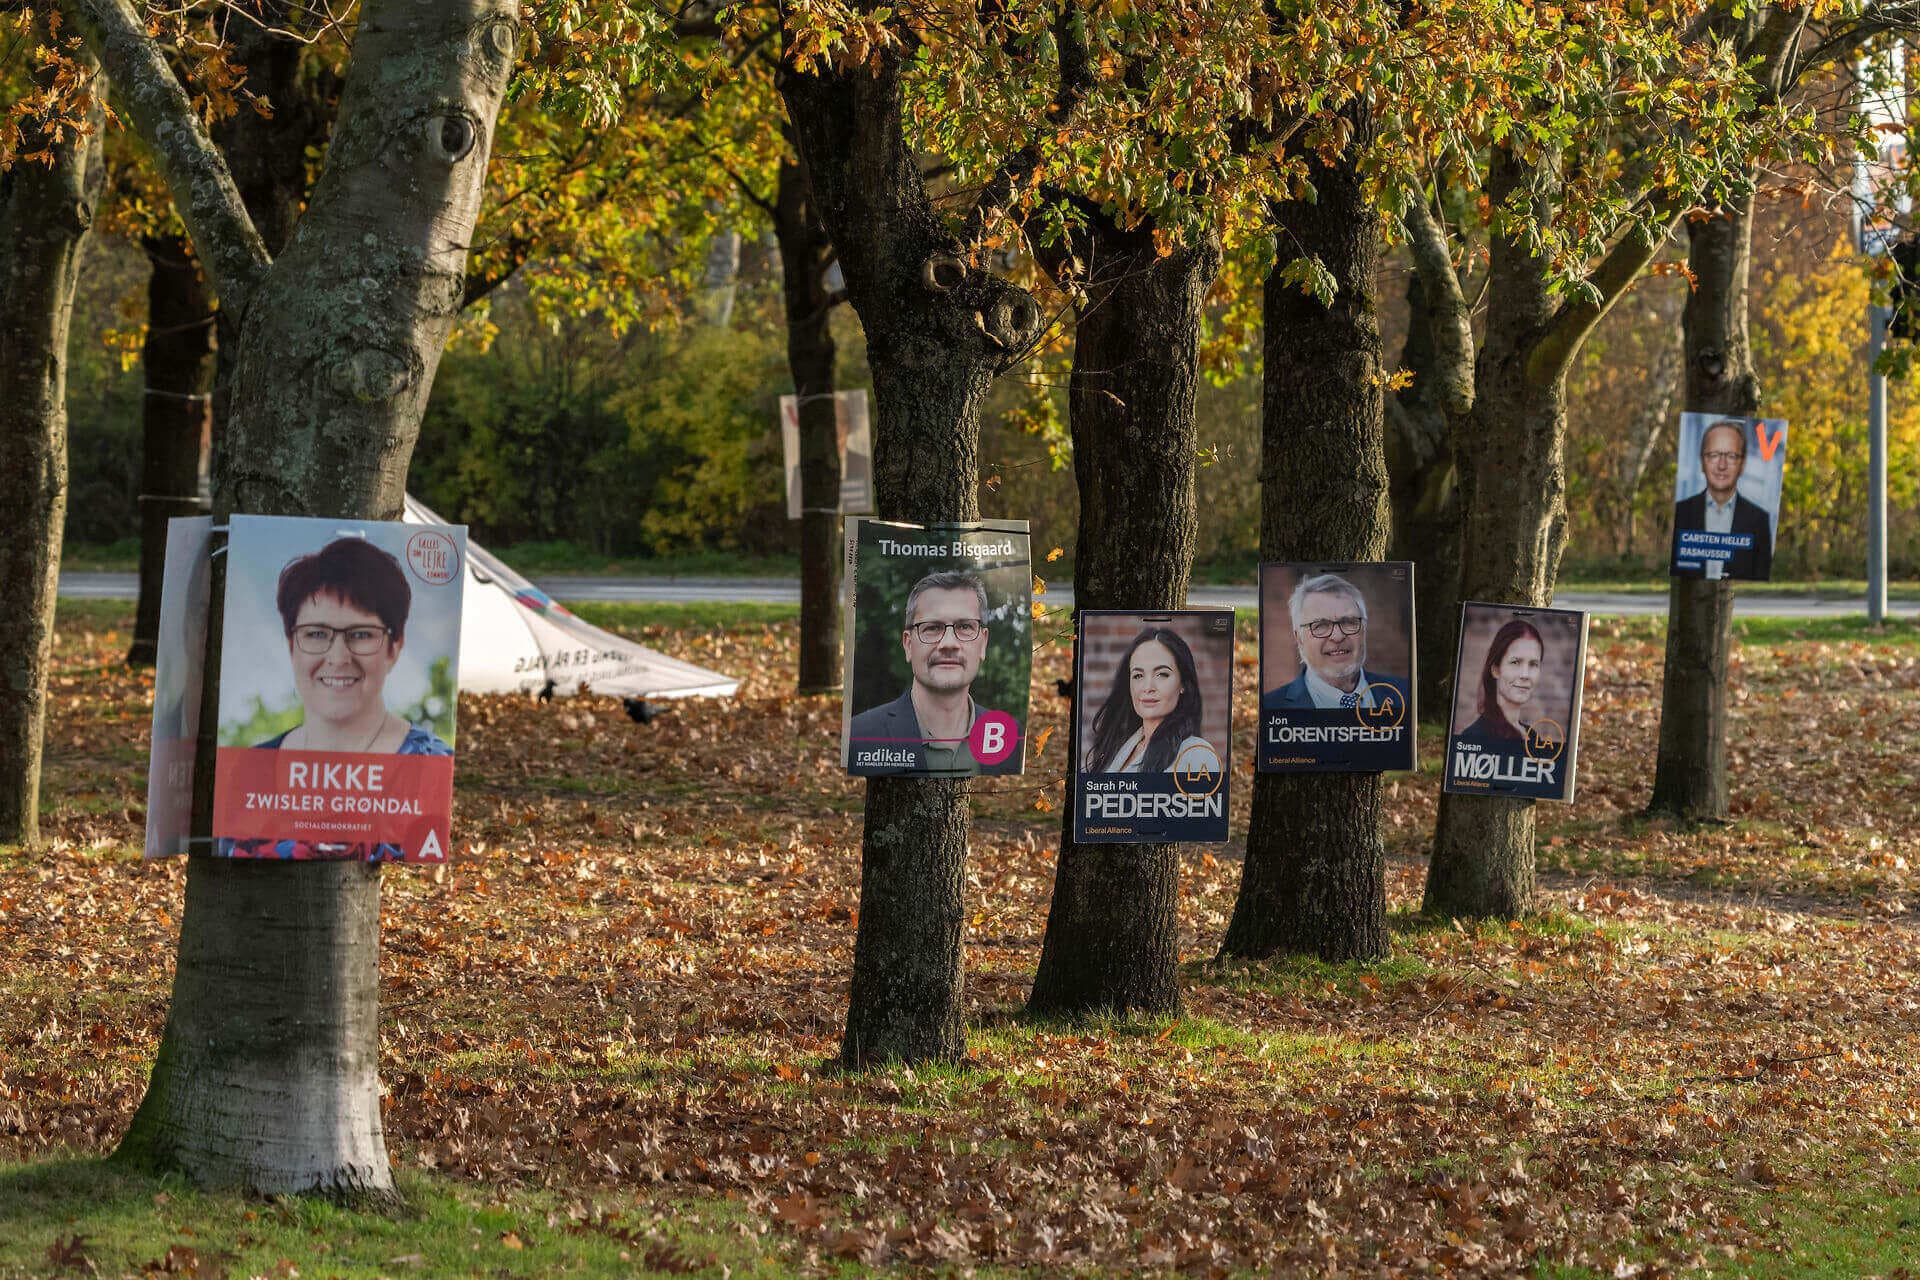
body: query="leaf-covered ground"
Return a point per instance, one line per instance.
(606, 1023)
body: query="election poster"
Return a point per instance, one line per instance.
(1726, 496)
(856, 452)
(1152, 697)
(1336, 668)
(1515, 729)
(939, 648)
(340, 649)
(179, 662)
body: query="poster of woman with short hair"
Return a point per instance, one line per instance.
(339, 664)
(1516, 711)
(1152, 700)
(939, 648)
(1336, 668)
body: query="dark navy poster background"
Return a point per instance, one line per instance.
(1304, 728)
(1152, 696)
(1516, 713)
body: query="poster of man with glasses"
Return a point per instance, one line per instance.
(1336, 668)
(939, 648)
(1726, 492)
(340, 647)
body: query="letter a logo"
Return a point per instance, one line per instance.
(1769, 445)
(430, 850)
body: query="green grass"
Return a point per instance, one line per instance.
(129, 1223)
(536, 559)
(103, 557)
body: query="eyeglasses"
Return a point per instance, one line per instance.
(1322, 628)
(317, 638)
(965, 631)
(1724, 455)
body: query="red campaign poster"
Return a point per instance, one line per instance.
(336, 803)
(340, 644)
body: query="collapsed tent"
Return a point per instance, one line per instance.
(515, 638)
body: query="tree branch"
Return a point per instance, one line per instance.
(224, 237)
(1619, 269)
(1452, 317)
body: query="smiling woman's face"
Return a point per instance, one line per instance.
(339, 685)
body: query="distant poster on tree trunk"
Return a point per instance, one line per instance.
(180, 659)
(1726, 496)
(1517, 681)
(1336, 668)
(939, 648)
(340, 646)
(856, 452)
(1152, 701)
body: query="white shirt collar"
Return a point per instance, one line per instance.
(1327, 698)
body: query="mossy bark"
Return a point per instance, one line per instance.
(46, 215)
(266, 1076)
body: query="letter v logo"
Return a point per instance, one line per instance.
(1769, 445)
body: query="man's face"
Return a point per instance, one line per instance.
(1723, 452)
(1335, 657)
(948, 663)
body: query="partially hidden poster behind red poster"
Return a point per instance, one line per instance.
(179, 660)
(340, 651)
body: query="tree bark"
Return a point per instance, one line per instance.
(1426, 417)
(266, 1075)
(46, 213)
(1111, 943)
(938, 331)
(1513, 495)
(1314, 877)
(805, 253)
(176, 416)
(1690, 775)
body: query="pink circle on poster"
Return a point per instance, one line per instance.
(994, 737)
(433, 557)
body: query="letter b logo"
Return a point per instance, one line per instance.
(995, 735)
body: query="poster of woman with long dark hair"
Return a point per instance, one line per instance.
(1152, 695)
(1516, 709)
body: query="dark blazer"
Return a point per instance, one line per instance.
(1481, 734)
(896, 720)
(1755, 563)
(1293, 696)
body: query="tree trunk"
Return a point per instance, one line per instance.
(938, 332)
(1112, 937)
(1425, 496)
(266, 1075)
(1314, 878)
(176, 416)
(804, 255)
(1690, 776)
(46, 212)
(1513, 494)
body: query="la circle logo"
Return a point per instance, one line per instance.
(1184, 772)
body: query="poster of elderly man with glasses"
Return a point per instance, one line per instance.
(340, 645)
(1336, 668)
(1726, 492)
(939, 648)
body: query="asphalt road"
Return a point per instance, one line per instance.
(124, 586)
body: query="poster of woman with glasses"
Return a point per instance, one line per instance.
(939, 648)
(341, 744)
(1336, 668)
(1726, 496)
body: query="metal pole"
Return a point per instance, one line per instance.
(1877, 318)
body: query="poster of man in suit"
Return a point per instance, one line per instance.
(1336, 668)
(1726, 510)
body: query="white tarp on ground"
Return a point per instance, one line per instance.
(514, 638)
